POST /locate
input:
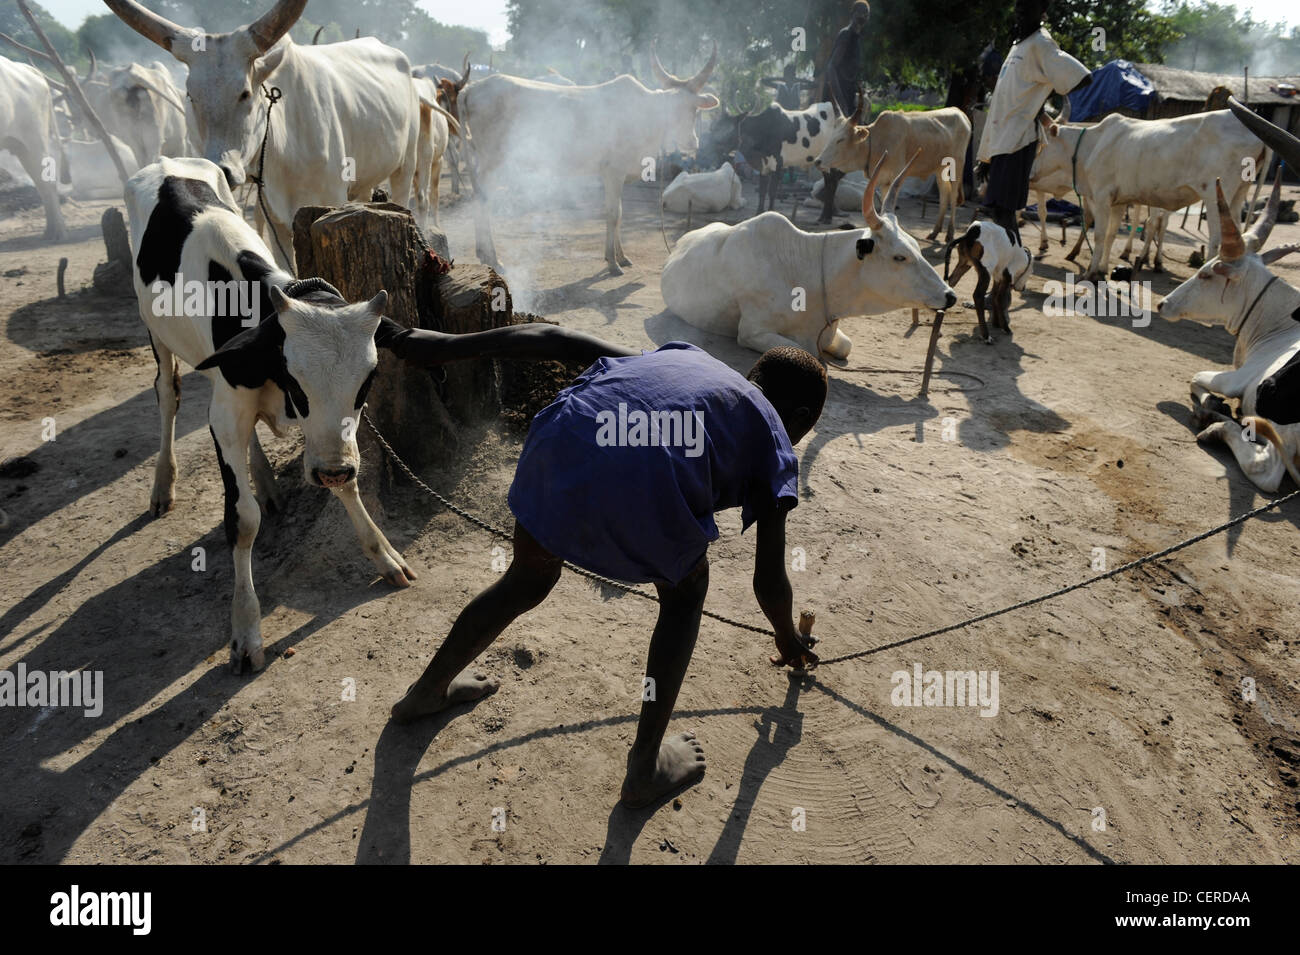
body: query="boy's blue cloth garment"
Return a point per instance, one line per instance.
(623, 472)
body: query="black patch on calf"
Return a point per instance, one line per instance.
(1278, 395)
(822, 114)
(292, 391)
(814, 127)
(1296, 314)
(231, 512)
(865, 247)
(224, 327)
(254, 268)
(170, 223)
(806, 142)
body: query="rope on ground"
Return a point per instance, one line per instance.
(1060, 592)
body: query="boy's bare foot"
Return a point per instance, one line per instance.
(463, 689)
(680, 763)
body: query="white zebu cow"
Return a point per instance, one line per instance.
(744, 280)
(526, 129)
(308, 362)
(149, 111)
(437, 126)
(1263, 313)
(941, 135)
(1167, 163)
(29, 131)
(348, 121)
(704, 191)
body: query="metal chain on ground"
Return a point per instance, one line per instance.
(1131, 565)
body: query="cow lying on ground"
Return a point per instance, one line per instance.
(940, 135)
(1263, 313)
(704, 191)
(777, 139)
(770, 284)
(525, 129)
(1167, 163)
(994, 254)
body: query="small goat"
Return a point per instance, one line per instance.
(995, 255)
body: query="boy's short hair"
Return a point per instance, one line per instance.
(791, 378)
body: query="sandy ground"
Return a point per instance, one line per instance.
(1120, 704)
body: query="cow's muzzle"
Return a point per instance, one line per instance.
(949, 299)
(234, 173)
(334, 477)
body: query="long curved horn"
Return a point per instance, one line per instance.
(1231, 246)
(891, 197)
(696, 82)
(869, 196)
(1272, 255)
(90, 73)
(460, 84)
(665, 79)
(1283, 143)
(315, 37)
(1258, 233)
(149, 25)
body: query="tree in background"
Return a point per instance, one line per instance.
(1214, 38)
(13, 23)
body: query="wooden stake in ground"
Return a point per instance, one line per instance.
(929, 355)
(74, 91)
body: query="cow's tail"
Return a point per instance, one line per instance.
(1266, 430)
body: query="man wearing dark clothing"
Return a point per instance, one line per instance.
(843, 73)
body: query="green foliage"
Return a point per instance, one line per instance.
(15, 25)
(1215, 38)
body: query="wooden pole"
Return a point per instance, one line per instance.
(929, 355)
(74, 90)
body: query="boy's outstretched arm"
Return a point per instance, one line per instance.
(772, 588)
(537, 341)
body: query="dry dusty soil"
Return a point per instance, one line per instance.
(1122, 732)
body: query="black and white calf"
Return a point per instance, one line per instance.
(276, 350)
(996, 257)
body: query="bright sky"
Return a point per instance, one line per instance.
(490, 15)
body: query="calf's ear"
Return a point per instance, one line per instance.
(251, 358)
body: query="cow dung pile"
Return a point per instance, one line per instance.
(529, 386)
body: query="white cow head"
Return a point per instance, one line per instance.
(684, 101)
(226, 75)
(324, 358)
(1223, 289)
(895, 273)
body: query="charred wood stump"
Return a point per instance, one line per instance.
(362, 248)
(114, 277)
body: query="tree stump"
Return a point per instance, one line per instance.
(114, 277)
(362, 248)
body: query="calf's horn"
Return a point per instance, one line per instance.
(1282, 142)
(1231, 246)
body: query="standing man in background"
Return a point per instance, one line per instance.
(843, 73)
(1034, 68)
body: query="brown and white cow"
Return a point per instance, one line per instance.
(940, 135)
